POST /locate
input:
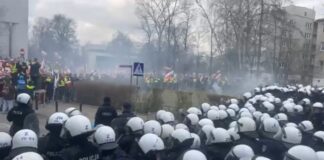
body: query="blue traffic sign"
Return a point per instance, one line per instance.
(138, 69)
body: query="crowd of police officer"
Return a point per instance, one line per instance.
(278, 123)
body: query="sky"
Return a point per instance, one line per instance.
(98, 20)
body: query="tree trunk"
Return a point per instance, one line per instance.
(260, 38)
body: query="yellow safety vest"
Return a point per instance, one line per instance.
(30, 87)
(14, 69)
(48, 80)
(61, 83)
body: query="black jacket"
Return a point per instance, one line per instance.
(119, 123)
(80, 149)
(217, 151)
(23, 117)
(4, 152)
(252, 142)
(272, 149)
(105, 114)
(116, 154)
(51, 145)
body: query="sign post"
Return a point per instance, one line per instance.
(138, 70)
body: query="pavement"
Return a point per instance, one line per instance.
(44, 111)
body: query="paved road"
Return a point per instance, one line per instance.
(45, 111)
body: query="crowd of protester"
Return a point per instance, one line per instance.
(276, 123)
(27, 76)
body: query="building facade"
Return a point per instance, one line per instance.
(318, 45)
(299, 40)
(13, 27)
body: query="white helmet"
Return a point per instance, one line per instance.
(317, 105)
(194, 110)
(246, 124)
(319, 135)
(257, 115)
(105, 137)
(291, 135)
(5, 140)
(167, 117)
(159, 114)
(235, 107)
(257, 158)
(300, 152)
(264, 116)
(214, 108)
(193, 155)
(270, 127)
(277, 100)
(23, 98)
(298, 108)
(243, 110)
(247, 95)
(306, 101)
(167, 130)
(239, 152)
(233, 124)
(28, 156)
(281, 117)
(220, 135)
(205, 107)
(206, 131)
(150, 142)
(153, 127)
(246, 114)
(233, 133)
(268, 106)
(135, 124)
(288, 107)
(181, 135)
(222, 107)
(182, 126)
(193, 118)
(78, 125)
(57, 118)
(251, 109)
(231, 113)
(248, 104)
(320, 155)
(72, 112)
(223, 114)
(205, 121)
(291, 124)
(25, 138)
(234, 101)
(196, 143)
(213, 115)
(306, 126)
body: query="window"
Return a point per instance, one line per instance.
(309, 25)
(321, 64)
(305, 14)
(308, 35)
(322, 46)
(323, 28)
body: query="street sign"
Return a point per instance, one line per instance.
(138, 69)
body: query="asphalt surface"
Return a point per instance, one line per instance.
(44, 111)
